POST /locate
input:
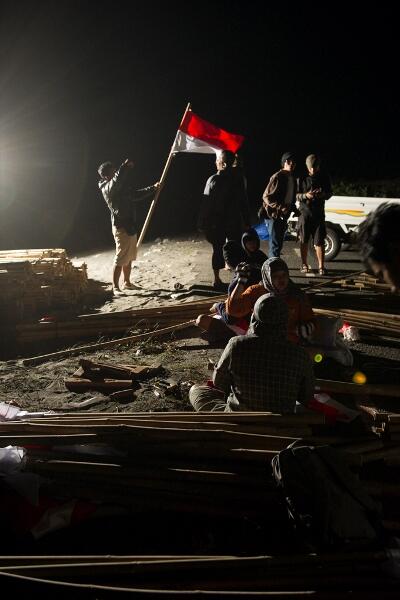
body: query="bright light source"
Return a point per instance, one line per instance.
(359, 378)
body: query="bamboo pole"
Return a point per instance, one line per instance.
(35, 360)
(163, 176)
(331, 280)
(343, 387)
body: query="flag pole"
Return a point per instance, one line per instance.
(157, 194)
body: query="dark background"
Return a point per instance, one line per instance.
(83, 82)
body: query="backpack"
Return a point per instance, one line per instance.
(325, 501)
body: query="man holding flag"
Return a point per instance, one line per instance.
(120, 196)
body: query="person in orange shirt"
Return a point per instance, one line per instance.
(275, 280)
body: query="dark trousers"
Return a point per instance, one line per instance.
(276, 232)
(217, 238)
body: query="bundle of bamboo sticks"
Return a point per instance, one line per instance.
(364, 281)
(179, 455)
(211, 464)
(38, 280)
(360, 575)
(379, 323)
(94, 325)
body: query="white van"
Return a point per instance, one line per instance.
(343, 215)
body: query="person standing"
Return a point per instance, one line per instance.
(313, 191)
(117, 189)
(278, 202)
(225, 212)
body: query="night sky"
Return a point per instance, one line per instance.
(85, 82)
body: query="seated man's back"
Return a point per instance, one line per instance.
(260, 371)
(264, 374)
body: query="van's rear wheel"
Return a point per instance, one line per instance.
(333, 243)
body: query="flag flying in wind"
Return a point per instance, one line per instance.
(197, 135)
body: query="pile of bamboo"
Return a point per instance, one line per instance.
(356, 575)
(210, 464)
(202, 462)
(379, 323)
(122, 322)
(364, 281)
(33, 281)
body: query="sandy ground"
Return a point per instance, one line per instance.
(184, 357)
(160, 266)
(166, 262)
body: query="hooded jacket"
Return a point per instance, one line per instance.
(300, 310)
(120, 196)
(257, 257)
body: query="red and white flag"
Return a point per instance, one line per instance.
(197, 135)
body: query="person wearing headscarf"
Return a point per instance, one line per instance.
(259, 371)
(276, 280)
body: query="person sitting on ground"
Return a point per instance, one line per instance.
(251, 245)
(275, 279)
(379, 242)
(252, 259)
(239, 305)
(260, 371)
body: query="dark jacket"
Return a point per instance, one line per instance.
(258, 257)
(120, 197)
(280, 195)
(225, 206)
(314, 208)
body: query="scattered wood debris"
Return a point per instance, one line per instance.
(117, 381)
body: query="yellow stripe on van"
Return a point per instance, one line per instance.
(352, 213)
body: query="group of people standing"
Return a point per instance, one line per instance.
(225, 211)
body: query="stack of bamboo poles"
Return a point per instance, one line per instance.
(363, 281)
(212, 464)
(357, 575)
(379, 323)
(36, 280)
(124, 322)
(94, 325)
(19, 287)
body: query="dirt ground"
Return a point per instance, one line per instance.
(183, 357)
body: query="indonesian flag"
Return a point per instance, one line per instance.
(196, 135)
(331, 408)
